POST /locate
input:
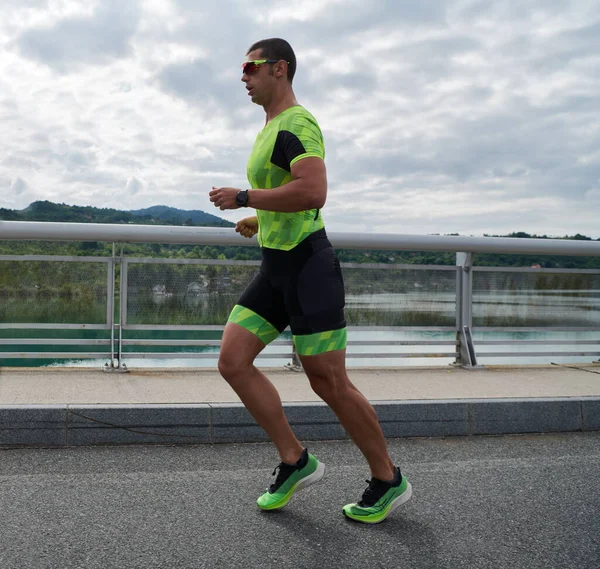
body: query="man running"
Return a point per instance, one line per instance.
(299, 284)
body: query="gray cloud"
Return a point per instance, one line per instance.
(83, 41)
(354, 80)
(450, 116)
(18, 186)
(192, 81)
(78, 179)
(133, 186)
(20, 162)
(583, 38)
(224, 27)
(8, 107)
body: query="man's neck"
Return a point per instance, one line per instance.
(280, 104)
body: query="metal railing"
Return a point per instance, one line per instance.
(194, 295)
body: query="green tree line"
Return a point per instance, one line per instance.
(162, 215)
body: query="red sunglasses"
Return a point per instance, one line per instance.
(251, 67)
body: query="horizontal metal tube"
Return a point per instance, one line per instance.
(194, 355)
(204, 356)
(402, 355)
(35, 326)
(219, 328)
(534, 354)
(216, 262)
(175, 328)
(540, 271)
(537, 342)
(126, 233)
(485, 329)
(54, 355)
(52, 342)
(404, 343)
(55, 258)
(144, 342)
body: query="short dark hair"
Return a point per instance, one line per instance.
(276, 48)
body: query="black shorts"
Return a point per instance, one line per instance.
(302, 288)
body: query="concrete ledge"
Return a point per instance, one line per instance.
(33, 425)
(530, 416)
(133, 424)
(231, 422)
(73, 425)
(591, 414)
(429, 418)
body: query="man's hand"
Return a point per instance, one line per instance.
(248, 227)
(224, 198)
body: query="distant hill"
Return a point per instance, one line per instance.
(159, 215)
(174, 216)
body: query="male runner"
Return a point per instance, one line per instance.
(299, 284)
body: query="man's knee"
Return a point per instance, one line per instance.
(239, 348)
(225, 365)
(328, 386)
(231, 364)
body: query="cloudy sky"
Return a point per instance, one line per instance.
(440, 116)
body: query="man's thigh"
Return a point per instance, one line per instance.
(260, 310)
(315, 302)
(239, 346)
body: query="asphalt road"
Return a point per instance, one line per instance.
(480, 502)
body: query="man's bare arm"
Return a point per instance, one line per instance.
(308, 190)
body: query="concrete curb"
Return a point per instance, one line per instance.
(81, 425)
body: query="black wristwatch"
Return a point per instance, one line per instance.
(241, 198)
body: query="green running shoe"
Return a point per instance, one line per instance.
(291, 478)
(379, 500)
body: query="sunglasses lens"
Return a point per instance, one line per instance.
(250, 68)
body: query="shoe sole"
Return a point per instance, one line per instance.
(312, 478)
(304, 483)
(402, 499)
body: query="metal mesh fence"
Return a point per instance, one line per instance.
(504, 298)
(53, 292)
(179, 294)
(399, 296)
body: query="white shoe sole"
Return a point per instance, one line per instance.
(312, 479)
(401, 499)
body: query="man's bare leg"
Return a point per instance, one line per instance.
(329, 380)
(239, 349)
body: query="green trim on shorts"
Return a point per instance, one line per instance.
(248, 319)
(321, 342)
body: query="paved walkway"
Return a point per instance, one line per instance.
(77, 406)
(45, 386)
(510, 502)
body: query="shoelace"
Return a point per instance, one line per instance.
(285, 470)
(375, 489)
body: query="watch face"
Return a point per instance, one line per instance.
(241, 198)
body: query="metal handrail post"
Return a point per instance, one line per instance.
(466, 263)
(122, 306)
(111, 308)
(119, 367)
(464, 310)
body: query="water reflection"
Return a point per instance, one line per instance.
(197, 305)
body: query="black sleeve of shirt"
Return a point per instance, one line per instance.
(287, 147)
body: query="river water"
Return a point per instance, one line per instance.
(417, 316)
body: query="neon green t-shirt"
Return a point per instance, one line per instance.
(289, 137)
